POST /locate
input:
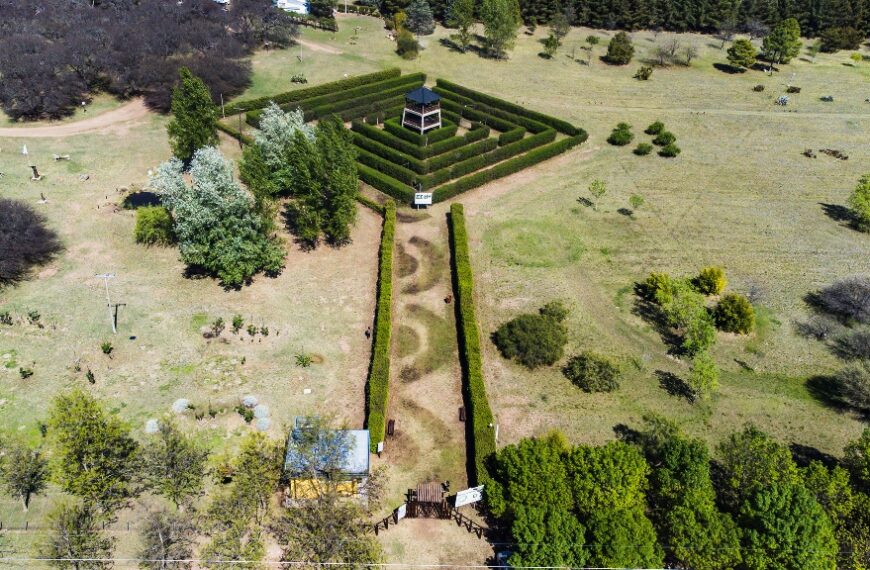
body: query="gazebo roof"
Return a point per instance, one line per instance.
(422, 96)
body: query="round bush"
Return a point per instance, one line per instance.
(592, 372)
(735, 314)
(643, 149)
(531, 340)
(620, 136)
(669, 151)
(655, 128)
(665, 138)
(153, 226)
(710, 281)
(656, 286)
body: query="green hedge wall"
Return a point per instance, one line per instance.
(309, 92)
(235, 133)
(529, 124)
(361, 91)
(507, 167)
(512, 135)
(369, 203)
(387, 167)
(558, 124)
(386, 184)
(414, 151)
(378, 386)
(448, 158)
(394, 126)
(482, 441)
(388, 152)
(497, 123)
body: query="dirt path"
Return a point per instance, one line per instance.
(426, 391)
(314, 46)
(135, 110)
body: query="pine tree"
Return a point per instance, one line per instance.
(194, 122)
(619, 50)
(420, 20)
(340, 184)
(303, 211)
(501, 22)
(783, 43)
(742, 54)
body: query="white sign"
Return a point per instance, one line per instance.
(380, 447)
(469, 496)
(423, 198)
(402, 511)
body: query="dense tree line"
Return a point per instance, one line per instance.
(54, 53)
(657, 497)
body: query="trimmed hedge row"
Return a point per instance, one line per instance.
(484, 160)
(529, 124)
(235, 133)
(497, 123)
(512, 135)
(361, 91)
(369, 203)
(507, 167)
(413, 151)
(562, 126)
(386, 184)
(394, 126)
(482, 443)
(309, 92)
(387, 167)
(462, 153)
(378, 386)
(386, 151)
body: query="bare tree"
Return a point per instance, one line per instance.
(690, 52)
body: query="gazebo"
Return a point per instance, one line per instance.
(422, 110)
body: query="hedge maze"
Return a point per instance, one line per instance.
(482, 138)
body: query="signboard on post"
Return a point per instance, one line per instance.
(402, 512)
(423, 198)
(469, 496)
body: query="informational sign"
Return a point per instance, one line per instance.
(380, 447)
(423, 198)
(469, 496)
(402, 512)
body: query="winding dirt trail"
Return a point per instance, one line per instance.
(132, 111)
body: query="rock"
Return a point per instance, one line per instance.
(261, 411)
(249, 401)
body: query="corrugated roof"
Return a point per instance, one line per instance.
(344, 450)
(422, 96)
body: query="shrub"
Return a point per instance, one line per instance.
(153, 226)
(238, 323)
(643, 149)
(664, 138)
(704, 376)
(852, 387)
(303, 360)
(592, 372)
(531, 340)
(555, 310)
(483, 441)
(859, 204)
(644, 72)
(656, 286)
(853, 345)
(742, 54)
(619, 50)
(793, 89)
(377, 387)
(670, 151)
(621, 135)
(655, 128)
(734, 313)
(848, 299)
(25, 372)
(710, 281)
(107, 348)
(406, 45)
(758, 88)
(217, 326)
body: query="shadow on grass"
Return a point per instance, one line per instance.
(841, 214)
(674, 385)
(652, 314)
(804, 454)
(626, 212)
(729, 69)
(824, 389)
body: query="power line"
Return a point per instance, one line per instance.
(320, 564)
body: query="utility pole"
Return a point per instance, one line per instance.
(112, 315)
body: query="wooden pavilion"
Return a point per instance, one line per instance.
(428, 500)
(422, 110)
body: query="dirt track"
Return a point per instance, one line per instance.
(129, 112)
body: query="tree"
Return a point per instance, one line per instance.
(340, 184)
(174, 465)
(420, 20)
(501, 21)
(851, 386)
(742, 54)
(321, 8)
(153, 226)
(751, 460)
(95, 457)
(859, 202)
(619, 50)
(23, 471)
(598, 188)
(831, 489)
(685, 309)
(407, 45)
(835, 39)
(304, 212)
(703, 376)
(856, 459)
(592, 372)
(194, 122)
(547, 536)
(462, 18)
(783, 43)
(168, 539)
(215, 222)
(551, 45)
(560, 24)
(622, 539)
(25, 241)
(785, 528)
(734, 313)
(848, 299)
(607, 478)
(533, 340)
(76, 540)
